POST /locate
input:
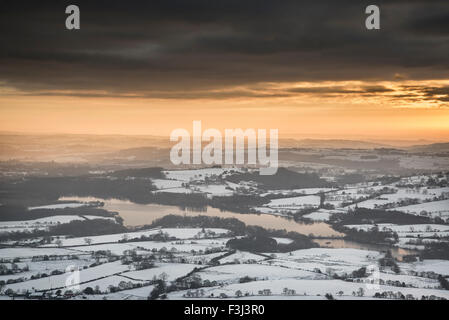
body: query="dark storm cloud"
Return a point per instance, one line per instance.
(438, 94)
(341, 90)
(171, 49)
(436, 24)
(421, 93)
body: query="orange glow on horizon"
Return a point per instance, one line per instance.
(351, 112)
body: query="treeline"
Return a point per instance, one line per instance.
(78, 228)
(268, 244)
(177, 221)
(436, 250)
(350, 178)
(44, 190)
(81, 228)
(19, 213)
(376, 216)
(256, 238)
(256, 244)
(232, 224)
(372, 236)
(237, 203)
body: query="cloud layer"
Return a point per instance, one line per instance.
(222, 49)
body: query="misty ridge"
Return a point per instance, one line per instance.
(85, 147)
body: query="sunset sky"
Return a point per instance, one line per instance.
(308, 68)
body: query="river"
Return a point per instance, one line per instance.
(134, 214)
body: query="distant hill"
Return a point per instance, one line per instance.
(60, 147)
(331, 144)
(434, 147)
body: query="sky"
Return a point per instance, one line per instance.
(308, 68)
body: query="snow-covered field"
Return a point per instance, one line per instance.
(233, 272)
(300, 202)
(322, 214)
(326, 260)
(301, 274)
(431, 265)
(307, 289)
(27, 252)
(166, 184)
(412, 230)
(192, 181)
(283, 206)
(283, 240)
(60, 206)
(242, 257)
(304, 191)
(170, 271)
(434, 209)
(65, 279)
(129, 265)
(172, 246)
(178, 233)
(42, 223)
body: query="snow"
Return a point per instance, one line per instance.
(166, 184)
(233, 272)
(307, 271)
(142, 292)
(202, 258)
(48, 266)
(184, 246)
(59, 206)
(309, 289)
(114, 248)
(175, 190)
(321, 214)
(214, 189)
(197, 174)
(178, 246)
(408, 280)
(435, 208)
(342, 260)
(178, 233)
(171, 270)
(176, 186)
(26, 252)
(408, 231)
(90, 217)
(410, 228)
(422, 194)
(59, 281)
(242, 257)
(42, 223)
(294, 201)
(304, 191)
(287, 205)
(104, 283)
(429, 265)
(283, 240)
